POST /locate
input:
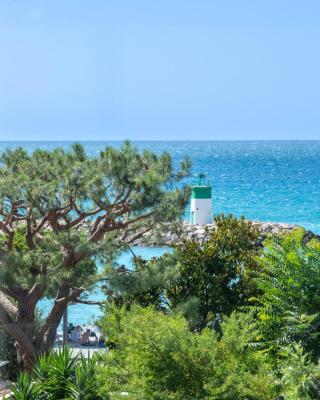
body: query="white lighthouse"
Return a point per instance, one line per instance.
(201, 203)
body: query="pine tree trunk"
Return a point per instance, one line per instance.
(26, 357)
(28, 342)
(25, 347)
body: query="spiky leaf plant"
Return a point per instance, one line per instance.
(24, 389)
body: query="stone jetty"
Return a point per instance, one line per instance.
(201, 233)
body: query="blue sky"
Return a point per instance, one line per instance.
(165, 69)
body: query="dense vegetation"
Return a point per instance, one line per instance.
(60, 213)
(259, 341)
(203, 281)
(227, 319)
(158, 357)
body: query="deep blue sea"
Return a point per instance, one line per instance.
(262, 180)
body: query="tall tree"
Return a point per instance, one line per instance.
(60, 212)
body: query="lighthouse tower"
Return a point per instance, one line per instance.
(201, 203)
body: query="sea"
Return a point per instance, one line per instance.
(275, 181)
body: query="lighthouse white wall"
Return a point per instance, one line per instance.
(201, 211)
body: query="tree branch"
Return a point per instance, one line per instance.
(50, 326)
(9, 232)
(6, 304)
(15, 331)
(89, 302)
(139, 235)
(40, 225)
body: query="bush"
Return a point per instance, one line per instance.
(216, 275)
(157, 357)
(300, 378)
(289, 300)
(242, 371)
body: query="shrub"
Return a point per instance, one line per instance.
(300, 378)
(24, 389)
(157, 357)
(289, 300)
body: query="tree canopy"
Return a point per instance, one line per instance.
(205, 281)
(60, 212)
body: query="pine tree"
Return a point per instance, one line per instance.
(60, 212)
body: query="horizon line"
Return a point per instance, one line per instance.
(155, 140)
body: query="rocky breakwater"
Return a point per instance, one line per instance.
(201, 233)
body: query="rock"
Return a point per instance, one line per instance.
(202, 233)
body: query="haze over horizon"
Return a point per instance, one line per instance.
(169, 70)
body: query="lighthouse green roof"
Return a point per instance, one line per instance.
(201, 192)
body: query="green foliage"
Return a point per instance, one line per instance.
(61, 187)
(216, 272)
(204, 281)
(54, 374)
(289, 301)
(61, 213)
(85, 385)
(24, 389)
(157, 357)
(300, 378)
(61, 375)
(145, 284)
(33, 186)
(241, 370)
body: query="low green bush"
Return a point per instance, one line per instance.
(157, 357)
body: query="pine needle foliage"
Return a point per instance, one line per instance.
(60, 213)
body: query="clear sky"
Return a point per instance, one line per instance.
(159, 69)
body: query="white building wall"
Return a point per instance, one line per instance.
(202, 209)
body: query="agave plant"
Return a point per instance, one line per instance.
(55, 372)
(24, 389)
(60, 375)
(84, 386)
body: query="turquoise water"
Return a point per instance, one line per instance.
(83, 314)
(262, 180)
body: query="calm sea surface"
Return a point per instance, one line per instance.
(263, 180)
